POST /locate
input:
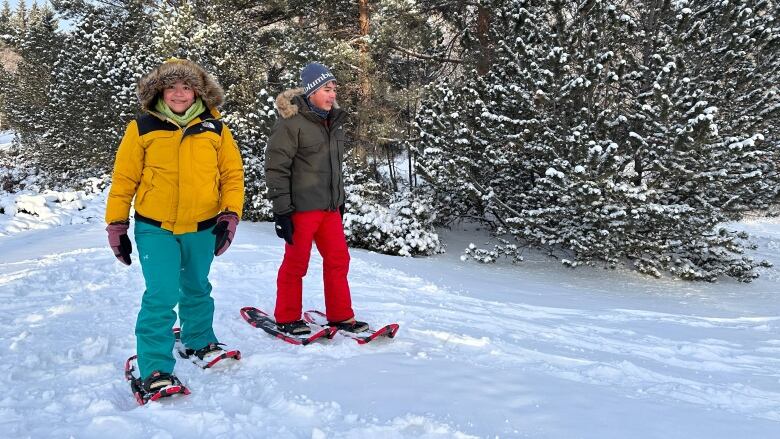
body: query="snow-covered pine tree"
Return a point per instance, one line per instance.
(19, 18)
(25, 83)
(402, 61)
(182, 29)
(79, 80)
(38, 46)
(92, 84)
(251, 129)
(706, 109)
(391, 223)
(450, 151)
(9, 58)
(6, 30)
(729, 53)
(243, 56)
(595, 142)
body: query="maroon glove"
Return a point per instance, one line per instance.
(119, 242)
(225, 229)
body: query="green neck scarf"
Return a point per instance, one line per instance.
(182, 119)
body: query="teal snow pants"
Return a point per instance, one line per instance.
(176, 269)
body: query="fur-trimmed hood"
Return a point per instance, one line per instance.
(288, 102)
(167, 73)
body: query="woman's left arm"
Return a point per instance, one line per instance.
(231, 174)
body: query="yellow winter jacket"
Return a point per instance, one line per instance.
(178, 176)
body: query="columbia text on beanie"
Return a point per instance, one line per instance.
(314, 76)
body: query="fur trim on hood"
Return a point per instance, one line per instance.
(286, 102)
(167, 73)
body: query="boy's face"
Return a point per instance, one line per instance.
(325, 96)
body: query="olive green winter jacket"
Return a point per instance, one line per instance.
(304, 158)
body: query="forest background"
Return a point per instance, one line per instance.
(607, 132)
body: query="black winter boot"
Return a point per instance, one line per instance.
(298, 327)
(158, 380)
(211, 350)
(355, 326)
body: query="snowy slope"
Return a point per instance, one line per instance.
(535, 350)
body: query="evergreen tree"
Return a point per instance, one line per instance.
(398, 224)
(25, 89)
(8, 59)
(243, 70)
(729, 52)
(251, 130)
(19, 18)
(93, 83)
(5, 23)
(590, 136)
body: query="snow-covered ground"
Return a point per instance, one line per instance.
(534, 350)
(6, 139)
(27, 209)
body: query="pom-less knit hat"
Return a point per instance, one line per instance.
(314, 76)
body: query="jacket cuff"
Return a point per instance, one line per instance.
(283, 206)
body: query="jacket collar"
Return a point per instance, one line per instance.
(291, 102)
(208, 113)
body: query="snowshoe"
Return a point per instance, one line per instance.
(260, 319)
(359, 331)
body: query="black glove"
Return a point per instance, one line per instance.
(284, 227)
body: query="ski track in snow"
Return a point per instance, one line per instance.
(67, 318)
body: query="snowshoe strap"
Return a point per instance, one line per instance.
(209, 349)
(355, 326)
(158, 380)
(298, 327)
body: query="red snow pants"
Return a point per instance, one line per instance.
(325, 229)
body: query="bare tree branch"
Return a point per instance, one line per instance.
(423, 56)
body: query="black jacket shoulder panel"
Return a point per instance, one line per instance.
(148, 123)
(213, 125)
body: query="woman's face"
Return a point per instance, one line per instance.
(179, 97)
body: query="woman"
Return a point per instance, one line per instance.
(182, 170)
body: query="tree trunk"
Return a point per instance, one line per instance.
(364, 90)
(485, 59)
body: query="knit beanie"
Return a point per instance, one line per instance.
(314, 76)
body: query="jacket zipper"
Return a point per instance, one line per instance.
(331, 203)
(183, 131)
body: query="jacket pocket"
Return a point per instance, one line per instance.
(311, 149)
(161, 149)
(341, 148)
(147, 184)
(216, 190)
(204, 149)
